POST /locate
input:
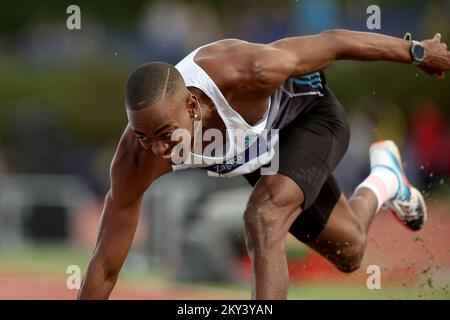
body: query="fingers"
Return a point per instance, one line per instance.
(441, 75)
(438, 37)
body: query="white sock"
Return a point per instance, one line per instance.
(383, 183)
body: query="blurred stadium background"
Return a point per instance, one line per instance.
(62, 113)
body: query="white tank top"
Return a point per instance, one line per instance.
(233, 163)
(258, 149)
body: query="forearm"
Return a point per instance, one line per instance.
(366, 46)
(315, 53)
(117, 229)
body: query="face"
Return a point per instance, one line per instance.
(155, 124)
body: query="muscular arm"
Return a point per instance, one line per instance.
(118, 225)
(314, 53)
(268, 66)
(132, 171)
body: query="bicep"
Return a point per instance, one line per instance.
(308, 53)
(270, 66)
(267, 67)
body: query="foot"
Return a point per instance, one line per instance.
(408, 203)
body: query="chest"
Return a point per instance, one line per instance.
(215, 120)
(244, 114)
(251, 110)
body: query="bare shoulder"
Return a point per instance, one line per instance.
(133, 169)
(253, 66)
(229, 46)
(220, 47)
(226, 50)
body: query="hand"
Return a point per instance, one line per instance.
(437, 58)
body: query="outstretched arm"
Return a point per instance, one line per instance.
(132, 171)
(314, 53)
(263, 68)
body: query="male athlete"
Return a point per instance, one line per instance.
(234, 84)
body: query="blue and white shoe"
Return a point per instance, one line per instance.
(408, 203)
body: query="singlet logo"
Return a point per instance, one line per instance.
(240, 148)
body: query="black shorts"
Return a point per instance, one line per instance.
(310, 147)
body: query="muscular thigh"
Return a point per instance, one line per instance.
(309, 149)
(274, 204)
(277, 191)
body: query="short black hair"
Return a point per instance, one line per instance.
(150, 82)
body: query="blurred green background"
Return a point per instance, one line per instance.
(62, 113)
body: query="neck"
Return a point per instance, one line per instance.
(210, 116)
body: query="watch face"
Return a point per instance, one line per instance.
(419, 52)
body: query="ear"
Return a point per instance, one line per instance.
(191, 105)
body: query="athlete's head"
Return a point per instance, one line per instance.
(158, 102)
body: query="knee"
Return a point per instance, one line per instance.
(350, 256)
(271, 209)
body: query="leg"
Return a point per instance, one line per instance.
(343, 240)
(309, 149)
(272, 207)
